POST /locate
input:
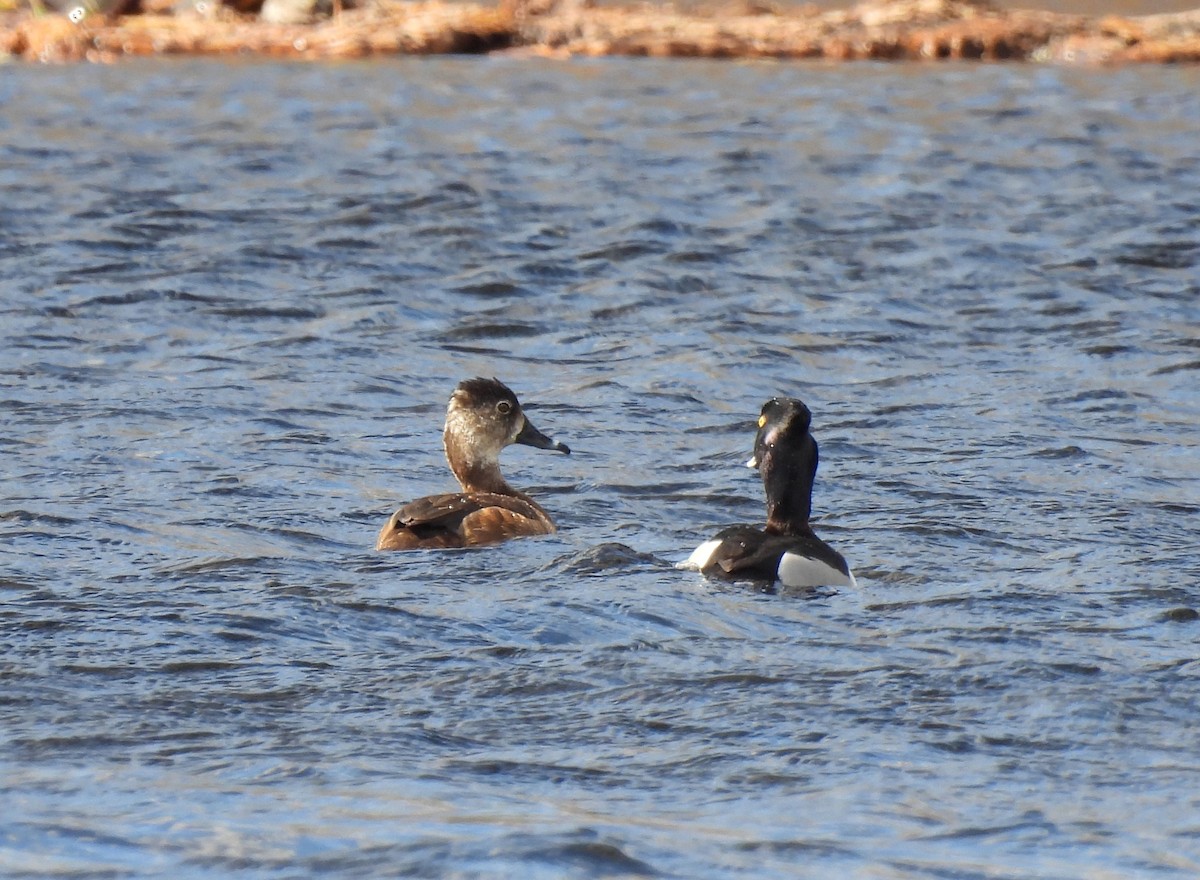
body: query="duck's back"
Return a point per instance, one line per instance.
(749, 553)
(463, 519)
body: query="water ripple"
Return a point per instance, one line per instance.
(228, 341)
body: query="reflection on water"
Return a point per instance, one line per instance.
(236, 298)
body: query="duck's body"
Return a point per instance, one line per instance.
(787, 549)
(751, 553)
(483, 417)
(463, 519)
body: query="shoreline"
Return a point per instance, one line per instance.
(900, 30)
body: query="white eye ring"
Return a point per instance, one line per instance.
(504, 407)
(76, 15)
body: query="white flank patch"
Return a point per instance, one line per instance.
(803, 571)
(700, 557)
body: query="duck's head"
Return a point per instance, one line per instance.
(483, 417)
(786, 455)
(783, 425)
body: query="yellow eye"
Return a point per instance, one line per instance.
(762, 420)
(504, 407)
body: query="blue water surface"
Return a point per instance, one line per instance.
(236, 296)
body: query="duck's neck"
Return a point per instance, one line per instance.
(475, 472)
(788, 477)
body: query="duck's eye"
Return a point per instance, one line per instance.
(504, 407)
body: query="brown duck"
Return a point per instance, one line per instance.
(483, 417)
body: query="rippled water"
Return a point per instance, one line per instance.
(236, 297)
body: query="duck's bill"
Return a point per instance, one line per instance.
(531, 436)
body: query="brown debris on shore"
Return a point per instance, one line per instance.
(909, 30)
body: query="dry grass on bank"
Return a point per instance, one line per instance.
(898, 30)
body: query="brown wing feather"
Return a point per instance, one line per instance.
(392, 538)
(438, 510)
(493, 524)
(462, 519)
